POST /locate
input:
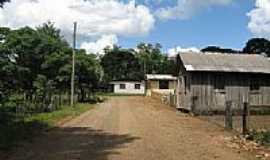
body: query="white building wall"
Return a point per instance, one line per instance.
(130, 88)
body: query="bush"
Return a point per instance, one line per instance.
(261, 137)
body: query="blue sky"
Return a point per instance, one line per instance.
(224, 26)
(180, 24)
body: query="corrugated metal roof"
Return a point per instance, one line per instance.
(160, 77)
(117, 82)
(243, 63)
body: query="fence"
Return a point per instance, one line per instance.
(243, 119)
(44, 104)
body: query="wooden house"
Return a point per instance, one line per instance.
(161, 83)
(207, 80)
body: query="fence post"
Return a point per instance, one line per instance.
(193, 104)
(245, 118)
(228, 115)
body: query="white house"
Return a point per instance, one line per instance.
(128, 87)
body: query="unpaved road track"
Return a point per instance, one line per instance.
(131, 128)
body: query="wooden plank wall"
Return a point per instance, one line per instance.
(237, 90)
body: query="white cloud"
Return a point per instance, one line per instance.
(174, 51)
(94, 17)
(185, 9)
(100, 44)
(259, 23)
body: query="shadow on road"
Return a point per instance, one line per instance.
(72, 144)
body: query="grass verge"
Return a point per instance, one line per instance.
(18, 128)
(52, 118)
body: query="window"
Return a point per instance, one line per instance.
(254, 85)
(219, 82)
(122, 86)
(137, 86)
(163, 84)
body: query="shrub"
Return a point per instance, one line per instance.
(262, 137)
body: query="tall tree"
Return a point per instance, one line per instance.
(29, 49)
(152, 60)
(88, 73)
(121, 64)
(257, 46)
(7, 72)
(150, 57)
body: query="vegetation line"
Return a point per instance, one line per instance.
(26, 127)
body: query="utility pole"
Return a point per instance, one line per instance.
(73, 66)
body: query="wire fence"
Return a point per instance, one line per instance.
(242, 118)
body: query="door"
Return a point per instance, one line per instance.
(184, 93)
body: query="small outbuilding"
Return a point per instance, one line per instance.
(128, 87)
(207, 80)
(162, 83)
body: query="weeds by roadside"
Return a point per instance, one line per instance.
(261, 137)
(15, 127)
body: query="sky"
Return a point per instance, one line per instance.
(178, 25)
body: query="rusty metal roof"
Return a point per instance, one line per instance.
(219, 62)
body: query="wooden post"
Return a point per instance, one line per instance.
(245, 118)
(228, 115)
(73, 66)
(193, 104)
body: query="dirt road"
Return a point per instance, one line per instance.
(131, 128)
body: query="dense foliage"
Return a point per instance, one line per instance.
(121, 64)
(257, 46)
(128, 64)
(217, 49)
(36, 66)
(153, 61)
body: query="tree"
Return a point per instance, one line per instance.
(7, 72)
(7, 68)
(153, 61)
(39, 55)
(219, 50)
(88, 73)
(257, 46)
(121, 64)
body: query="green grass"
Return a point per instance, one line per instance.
(52, 118)
(16, 129)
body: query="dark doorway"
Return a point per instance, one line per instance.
(163, 84)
